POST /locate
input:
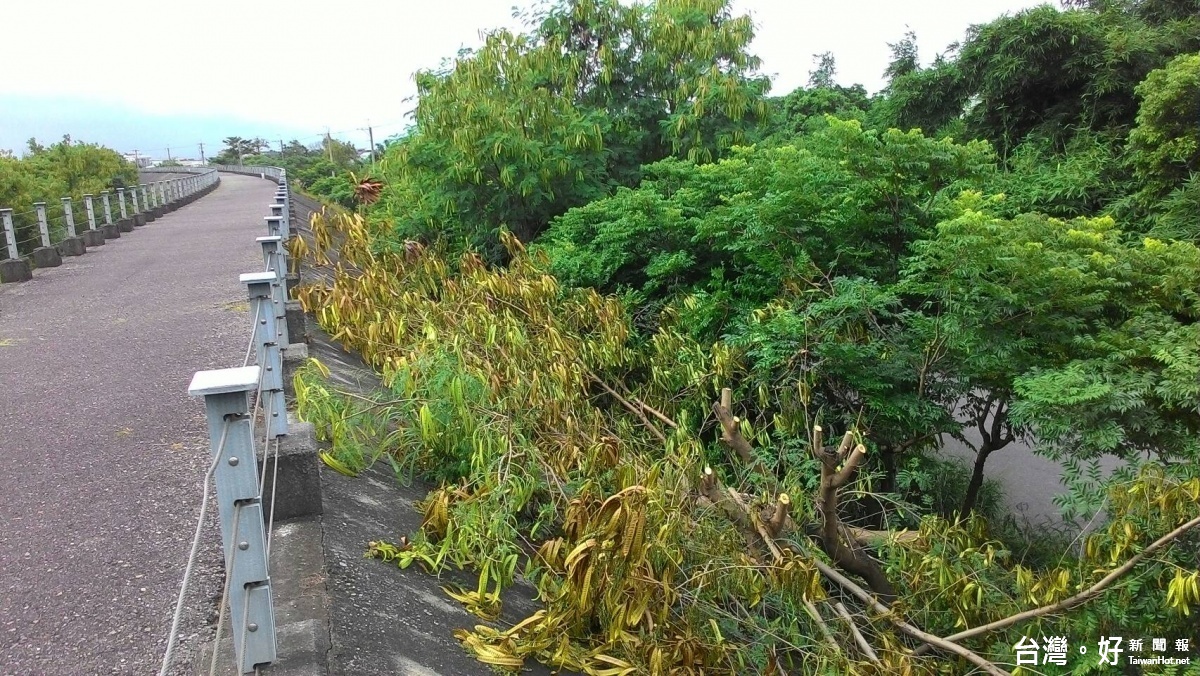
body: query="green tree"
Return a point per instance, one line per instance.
(1165, 144)
(531, 124)
(1042, 71)
(1065, 333)
(822, 77)
(844, 200)
(64, 169)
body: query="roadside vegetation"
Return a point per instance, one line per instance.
(326, 170)
(681, 354)
(49, 173)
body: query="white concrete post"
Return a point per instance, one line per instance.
(107, 209)
(121, 198)
(136, 208)
(69, 216)
(91, 211)
(10, 233)
(43, 226)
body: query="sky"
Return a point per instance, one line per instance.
(152, 75)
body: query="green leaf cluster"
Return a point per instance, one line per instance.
(48, 173)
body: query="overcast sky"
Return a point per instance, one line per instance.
(149, 74)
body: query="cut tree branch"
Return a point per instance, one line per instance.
(845, 552)
(858, 637)
(816, 615)
(1083, 596)
(636, 410)
(732, 437)
(944, 644)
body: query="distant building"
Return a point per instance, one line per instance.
(138, 160)
(176, 161)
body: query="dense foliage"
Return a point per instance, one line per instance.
(48, 173)
(324, 170)
(1000, 247)
(585, 456)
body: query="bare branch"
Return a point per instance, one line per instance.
(846, 445)
(1083, 596)
(858, 637)
(879, 537)
(657, 414)
(816, 615)
(844, 476)
(944, 644)
(636, 410)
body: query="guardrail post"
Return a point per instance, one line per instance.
(272, 248)
(282, 199)
(10, 233)
(266, 338)
(91, 236)
(111, 230)
(43, 226)
(137, 215)
(149, 213)
(69, 216)
(91, 211)
(14, 268)
(275, 220)
(239, 505)
(44, 256)
(71, 245)
(121, 197)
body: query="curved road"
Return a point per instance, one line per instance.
(102, 452)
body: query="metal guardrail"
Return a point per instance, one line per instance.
(274, 173)
(247, 415)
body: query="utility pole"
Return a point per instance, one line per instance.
(371, 135)
(137, 162)
(168, 154)
(329, 144)
(281, 147)
(202, 153)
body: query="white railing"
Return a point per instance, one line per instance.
(273, 173)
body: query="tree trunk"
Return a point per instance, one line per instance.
(971, 499)
(887, 455)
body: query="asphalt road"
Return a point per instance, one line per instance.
(102, 452)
